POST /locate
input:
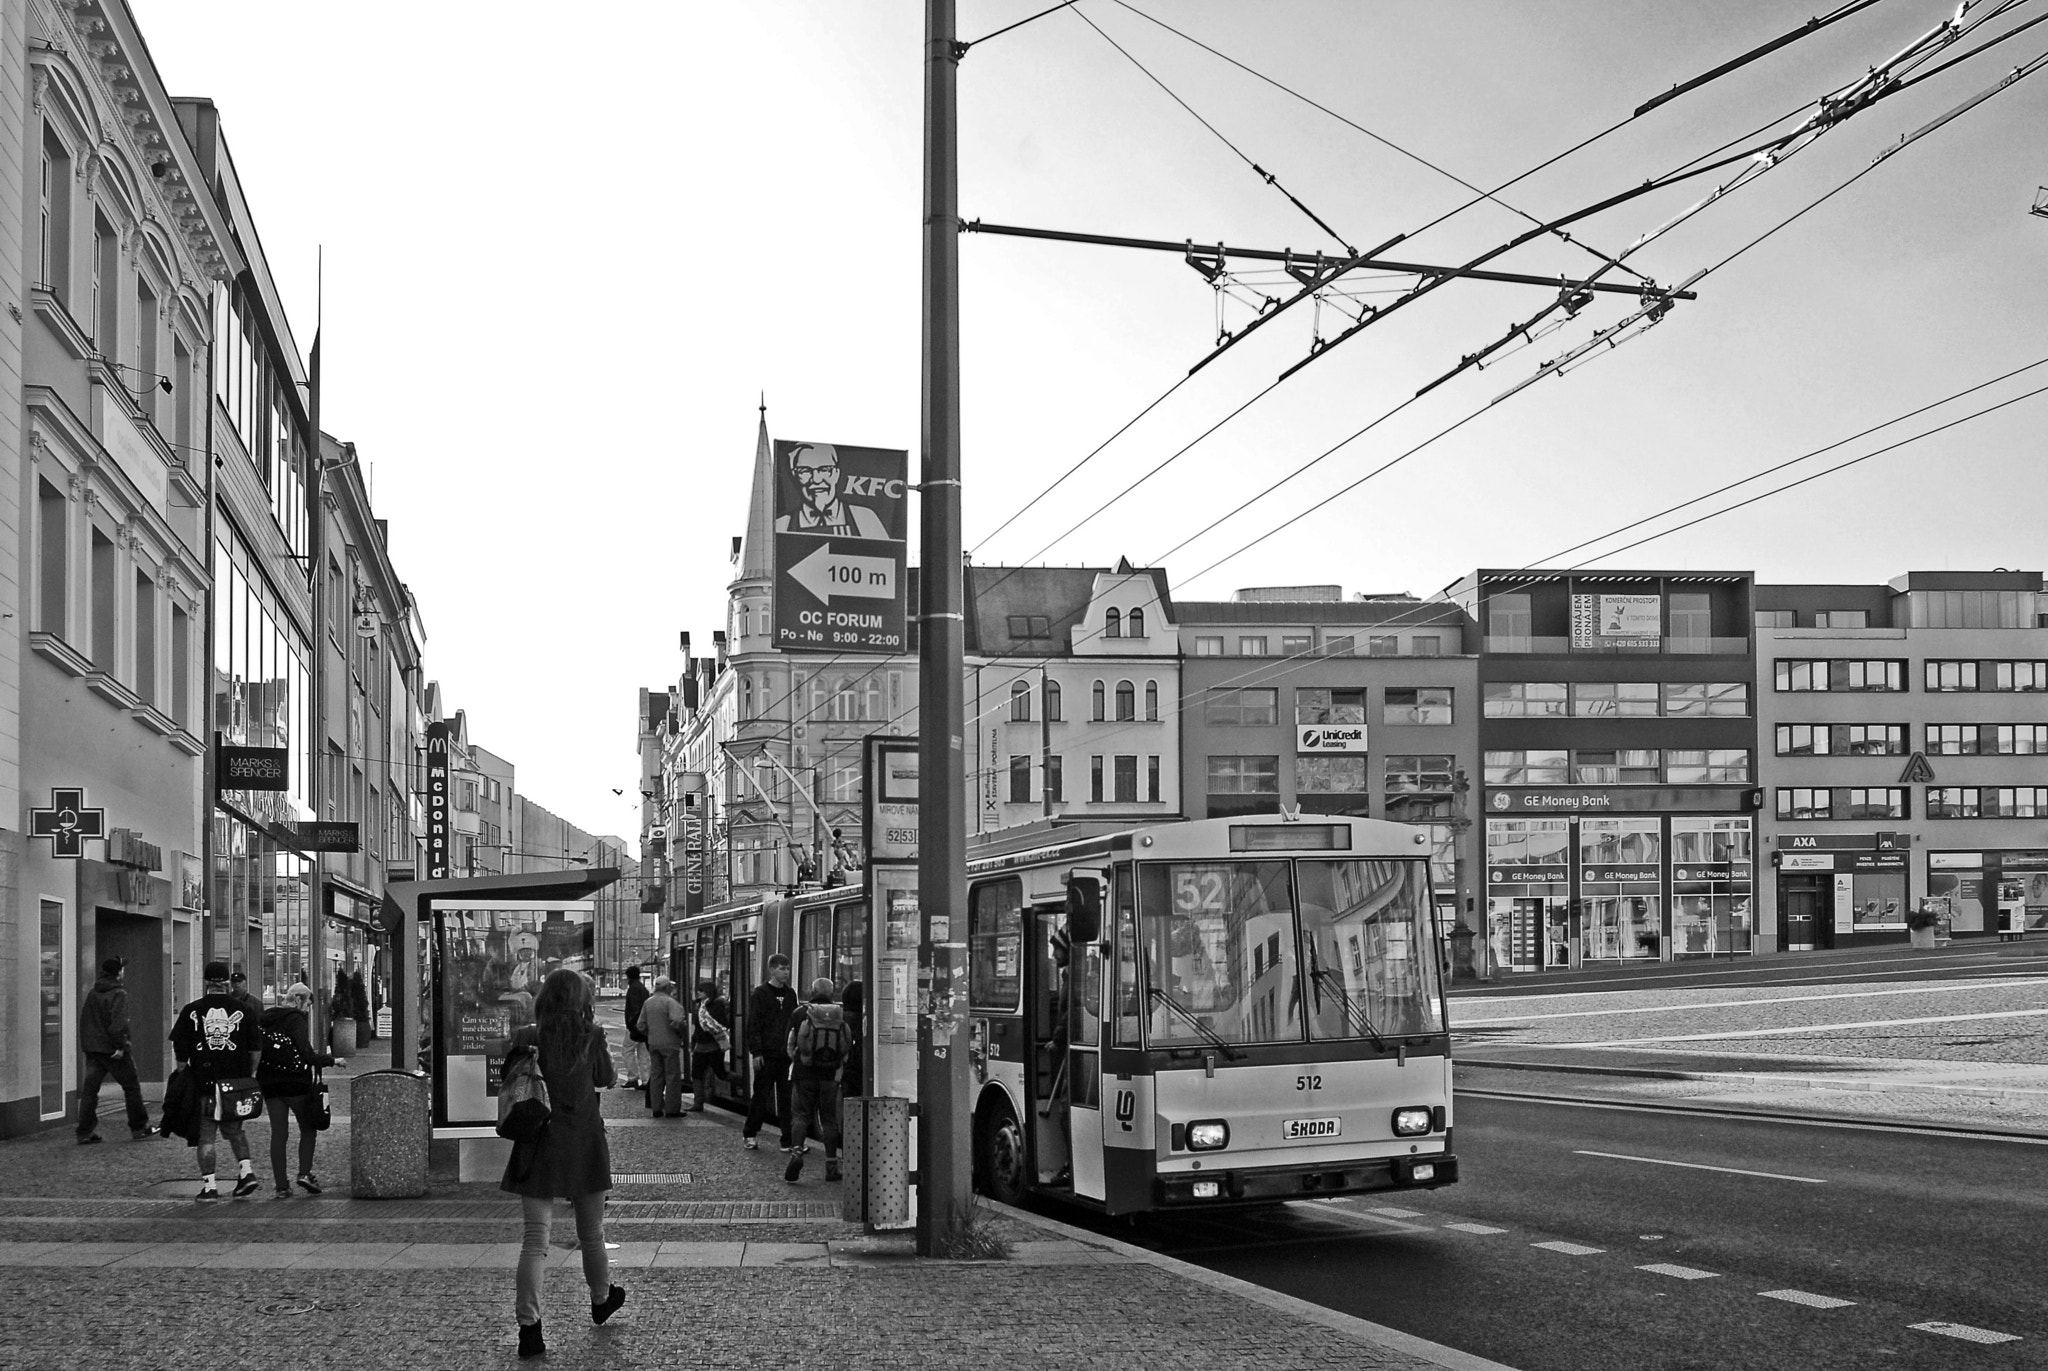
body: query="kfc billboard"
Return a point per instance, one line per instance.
(840, 547)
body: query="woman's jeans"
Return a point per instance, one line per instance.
(299, 1107)
(533, 1253)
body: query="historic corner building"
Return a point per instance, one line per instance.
(1907, 729)
(1618, 738)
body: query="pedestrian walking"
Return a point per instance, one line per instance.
(820, 1045)
(710, 1040)
(853, 1076)
(768, 1011)
(666, 1026)
(572, 1159)
(285, 1073)
(636, 1068)
(106, 1039)
(238, 990)
(216, 1037)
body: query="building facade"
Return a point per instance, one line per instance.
(1907, 728)
(1619, 783)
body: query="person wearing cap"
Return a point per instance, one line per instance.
(238, 988)
(637, 1070)
(104, 1036)
(666, 1023)
(286, 1076)
(216, 1037)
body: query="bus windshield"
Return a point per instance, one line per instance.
(1269, 951)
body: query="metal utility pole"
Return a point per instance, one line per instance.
(944, 1163)
(316, 580)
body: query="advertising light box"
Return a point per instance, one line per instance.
(491, 960)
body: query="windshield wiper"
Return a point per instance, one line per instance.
(1319, 975)
(1216, 1039)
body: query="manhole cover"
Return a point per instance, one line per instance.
(288, 1305)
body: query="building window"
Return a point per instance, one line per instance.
(1020, 780)
(1209, 647)
(1244, 775)
(105, 608)
(1342, 645)
(1151, 702)
(1875, 803)
(1707, 766)
(1126, 780)
(2018, 740)
(1805, 802)
(1382, 645)
(1973, 608)
(145, 637)
(2022, 676)
(53, 513)
(1952, 740)
(1296, 644)
(1509, 623)
(1987, 802)
(1706, 699)
(1055, 778)
(1624, 766)
(1100, 697)
(1029, 627)
(1427, 705)
(1946, 676)
(1328, 774)
(1134, 624)
(1776, 618)
(1052, 700)
(1314, 705)
(1800, 674)
(1691, 623)
(1842, 618)
(1524, 699)
(1549, 766)
(1020, 703)
(106, 258)
(1251, 647)
(1248, 707)
(1126, 702)
(181, 667)
(1871, 675)
(1426, 645)
(1427, 773)
(1614, 699)
(1095, 779)
(1152, 780)
(1871, 740)
(1112, 624)
(1803, 740)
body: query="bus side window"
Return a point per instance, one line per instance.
(1130, 1008)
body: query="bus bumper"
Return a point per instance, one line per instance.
(1269, 1185)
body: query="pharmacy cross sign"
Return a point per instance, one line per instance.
(67, 823)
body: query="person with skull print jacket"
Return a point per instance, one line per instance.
(217, 1039)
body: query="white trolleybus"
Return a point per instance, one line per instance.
(1210, 1013)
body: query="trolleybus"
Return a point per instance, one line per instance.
(1211, 1013)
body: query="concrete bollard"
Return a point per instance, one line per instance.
(390, 1125)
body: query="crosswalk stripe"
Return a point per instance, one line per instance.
(1570, 1249)
(1811, 1301)
(1964, 1331)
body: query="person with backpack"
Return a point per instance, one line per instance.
(572, 1158)
(216, 1037)
(768, 1011)
(710, 1040)
(665, 1024)
(107, 1042)
(820, 1045)
(285, 1073)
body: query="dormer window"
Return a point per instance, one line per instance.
(1112, 624)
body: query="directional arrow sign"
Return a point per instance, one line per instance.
(830, 575)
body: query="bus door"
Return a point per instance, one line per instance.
(1050, 1070)
(742, 989)
(1084, 1066)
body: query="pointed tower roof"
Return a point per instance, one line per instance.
(757, 549)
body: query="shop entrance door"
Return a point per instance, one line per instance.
(139, 941)
(1799, 903)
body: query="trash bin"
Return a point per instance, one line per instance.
(875, 1140)
(390, 1124)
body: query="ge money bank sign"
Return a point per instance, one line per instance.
(840, 549)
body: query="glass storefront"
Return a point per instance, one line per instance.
(1980, 891)
(1713, 886)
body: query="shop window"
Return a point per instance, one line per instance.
(1428, 705)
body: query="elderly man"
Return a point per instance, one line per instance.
(666, 1024)
(815, 469)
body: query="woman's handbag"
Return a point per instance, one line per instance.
(523, 1107)
(238, 1097)
(323, 1110)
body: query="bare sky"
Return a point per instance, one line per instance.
(567, 250)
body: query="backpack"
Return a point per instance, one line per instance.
(281, 1060)
(523, 1107)
(819, 1039)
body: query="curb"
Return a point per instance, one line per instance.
(1873, 1085)
(1738, 1111)
(1360, 1330)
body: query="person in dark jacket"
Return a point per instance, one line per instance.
(217, 1038)
(572, 1159)
(108, 1043)
(768, 1011)
(853, 1076)
(820, 1045)
(710, 1040)
(286, 1075)
(238, 989)
(637, 1070)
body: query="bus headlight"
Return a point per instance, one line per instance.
(1212, 1135)
(1411, 1122)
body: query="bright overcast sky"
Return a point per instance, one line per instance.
(567, 250)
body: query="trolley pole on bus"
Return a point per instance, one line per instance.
(944, 1161)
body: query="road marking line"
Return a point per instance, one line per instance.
(1964, 1331)
(1393, 1213)
(1462, 1022)
(1475, 1228)
(1700, 1166)
(1684, 1273)
(1786, 975)
(1848, 1125)
(1570, 1249)
(1811, 1301)
(1803, 1028)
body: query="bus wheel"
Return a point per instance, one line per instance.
(1000, 1141)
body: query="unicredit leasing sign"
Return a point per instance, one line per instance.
(1329, 738)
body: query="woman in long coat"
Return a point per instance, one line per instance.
(572, 1159)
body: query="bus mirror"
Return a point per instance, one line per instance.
(1087, 892)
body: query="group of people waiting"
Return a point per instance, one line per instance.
(661, 1031)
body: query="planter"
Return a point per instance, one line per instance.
(341, 1037)
(1922, 937)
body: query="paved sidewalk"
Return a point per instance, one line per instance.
(109, 1262)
